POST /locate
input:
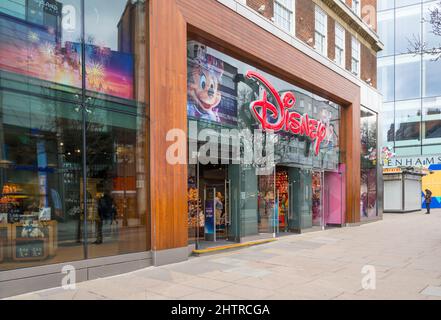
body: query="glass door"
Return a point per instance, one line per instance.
(267, 204)
(227, 209)
(210, 205)
(290, 222)
(317, 199)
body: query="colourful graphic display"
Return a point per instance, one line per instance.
(36, 51)
(212, 92)
(433, 183)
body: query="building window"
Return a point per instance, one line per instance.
(339, 45)
(283, 14)
(368, 196)
(356, 7)
(355, 56)
(321, 27)
(47, 175)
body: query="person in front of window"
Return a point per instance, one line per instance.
(105, 212)
(428, 199)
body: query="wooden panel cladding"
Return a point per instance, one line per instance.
(168, 100)
(224, 29)
(350, 147)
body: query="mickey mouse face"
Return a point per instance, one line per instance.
(205, 89)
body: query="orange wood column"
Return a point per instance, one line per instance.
(168, 100)
(351, 149)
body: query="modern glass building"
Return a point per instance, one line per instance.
(410, 83)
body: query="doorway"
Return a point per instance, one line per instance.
(284, 199)
(210, 218)
(318, 179)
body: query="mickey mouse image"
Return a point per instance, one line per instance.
(204, 79)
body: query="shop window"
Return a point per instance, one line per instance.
(44, 113)
(369, 150)
(229, 201)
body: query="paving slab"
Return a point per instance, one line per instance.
(403, 249)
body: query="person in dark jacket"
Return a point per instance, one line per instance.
(105, 212)
(428, 199)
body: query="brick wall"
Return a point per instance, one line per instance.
(331, 38)
(348, 50)
(305, 21)
(368, 65)
(305, 25)
(257, 4)
(369, 12)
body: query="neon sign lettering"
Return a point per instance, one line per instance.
(279, 117)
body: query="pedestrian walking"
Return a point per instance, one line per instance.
(428, 199)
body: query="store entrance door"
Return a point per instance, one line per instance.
(318, 178)
(217, 211)
(285, 199)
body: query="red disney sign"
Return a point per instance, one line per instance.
(283, 118)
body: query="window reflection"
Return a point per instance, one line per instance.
(408, 120)
(407, 77)
(42, 212)
(368, 200)
(407, 27)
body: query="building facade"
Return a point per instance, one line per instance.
(410, 88)
(129, 141)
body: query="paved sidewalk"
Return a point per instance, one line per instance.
(404, 249)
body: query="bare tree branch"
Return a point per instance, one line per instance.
(417, 46)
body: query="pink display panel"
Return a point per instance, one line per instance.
(334, 197)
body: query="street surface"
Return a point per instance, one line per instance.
(404, 251)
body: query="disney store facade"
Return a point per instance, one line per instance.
(298, 181)
(271, 135)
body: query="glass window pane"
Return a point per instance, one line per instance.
(385, 4)
(407, 122)
(40, 134)
(116, 186)
(369, 123)
(403, 3)
(407, 77)
(40, 175)
(386, 31)
(407, 27)
(386, 78)
(388, 116)
(431, 40)
(431, 76)
(432, 122)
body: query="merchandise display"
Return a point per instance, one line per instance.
(282, 183)
(196, 218)
(316, 197)
(26, 227)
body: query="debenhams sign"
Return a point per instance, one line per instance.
(423, 161)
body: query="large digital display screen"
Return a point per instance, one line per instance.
(211, 88)
(31, 50)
